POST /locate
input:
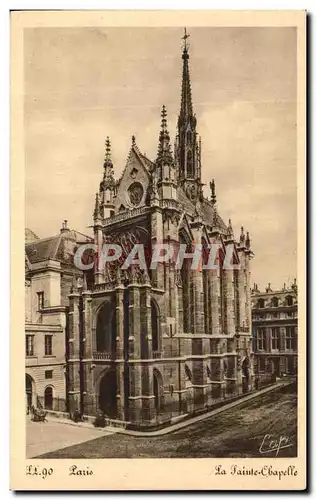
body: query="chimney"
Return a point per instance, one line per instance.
(64, 228)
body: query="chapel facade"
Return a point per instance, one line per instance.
(146, 347)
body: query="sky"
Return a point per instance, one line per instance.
(83, 84)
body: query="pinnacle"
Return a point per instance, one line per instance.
(107, 148)
(213, 194)
(164, 152)
(108, 164)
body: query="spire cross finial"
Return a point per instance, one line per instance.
(185, 37)
(107, 148)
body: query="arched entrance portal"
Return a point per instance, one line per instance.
(48, 398)
(29, 384)
(107, 394)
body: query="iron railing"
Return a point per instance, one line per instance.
(101, 355)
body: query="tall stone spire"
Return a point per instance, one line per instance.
(187, 153)
(186, 98)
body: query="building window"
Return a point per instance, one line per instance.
(290, 365)
(260, 316)
(49, 374)
(260, 339)
(262, 364)
(275, 302)
(289, 300)
(261, 303)
(275, 315)
(290, 338)
(40, 300)
(29, 345)
(48, 345)
(275, 338)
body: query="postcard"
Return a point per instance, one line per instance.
(158, 223)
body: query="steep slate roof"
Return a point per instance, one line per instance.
(187, 204)
(208, 213)
(43, 249)
(206, 209)
(30, 236)
(147, 162)
(55, 248)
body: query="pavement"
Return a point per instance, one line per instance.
(45, 437)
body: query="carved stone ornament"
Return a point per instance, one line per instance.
(134, 173)
(239, 361)
(136, 192)
(178, 278)
(192, 191)
(172, 217)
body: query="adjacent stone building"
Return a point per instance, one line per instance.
(274, 327)
(147, 346)
(49, 274)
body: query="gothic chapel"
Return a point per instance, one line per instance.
(148, 348)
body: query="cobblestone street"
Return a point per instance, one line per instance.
(236, 432)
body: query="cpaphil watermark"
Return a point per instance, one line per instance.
(198, 257)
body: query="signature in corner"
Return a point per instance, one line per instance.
(270, 444)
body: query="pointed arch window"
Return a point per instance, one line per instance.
(106, 329)
(156, 341)
(187, 291)
(189, 163)
(206, 290)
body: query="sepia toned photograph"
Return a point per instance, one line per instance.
(161, 223)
